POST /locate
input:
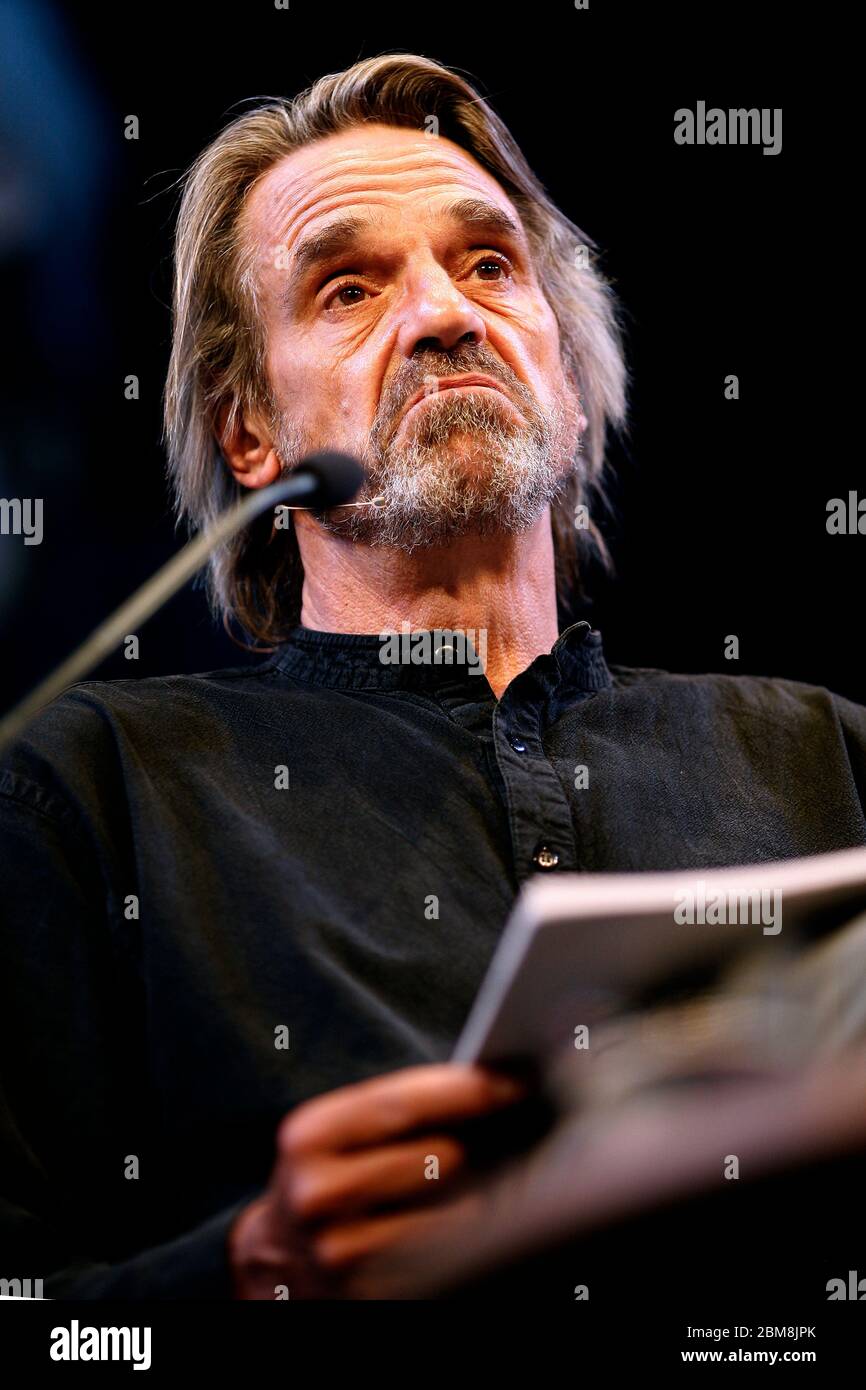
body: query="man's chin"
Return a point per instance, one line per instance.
(461, 462)
(450, 506)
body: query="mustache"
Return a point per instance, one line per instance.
(411, 378)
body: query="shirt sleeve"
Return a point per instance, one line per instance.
(193, 1266)
(67, 1070)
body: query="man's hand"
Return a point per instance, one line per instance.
(350, 1176)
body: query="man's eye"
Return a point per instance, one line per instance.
(342, 294)
(497, 264)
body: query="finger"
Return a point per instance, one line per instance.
(325, 1185)
(383, 1107)
(339, 1247)
(389, 1266)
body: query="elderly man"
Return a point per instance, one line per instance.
(248, 911)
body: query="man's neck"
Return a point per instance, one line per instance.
(503, 586)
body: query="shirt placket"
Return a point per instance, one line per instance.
(540, 819)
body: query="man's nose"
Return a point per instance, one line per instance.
(435, 315)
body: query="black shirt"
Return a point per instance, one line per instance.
(226, 893)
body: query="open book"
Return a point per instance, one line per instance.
(679, 1021)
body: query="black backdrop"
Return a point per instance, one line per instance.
(727, 261)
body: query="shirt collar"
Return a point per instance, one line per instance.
(354, 661)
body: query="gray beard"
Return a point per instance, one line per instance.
(469, 466)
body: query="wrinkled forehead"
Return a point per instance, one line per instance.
(395, 177)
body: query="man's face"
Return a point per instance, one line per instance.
(390, 266)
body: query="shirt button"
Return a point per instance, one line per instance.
(545, 857)
(518, 745)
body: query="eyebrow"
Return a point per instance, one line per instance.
(483, 216)
(322, 246)
(340, 237)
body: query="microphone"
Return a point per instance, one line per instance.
(328, 479)
(319, 482)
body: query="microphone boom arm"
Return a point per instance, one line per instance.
(152, 595)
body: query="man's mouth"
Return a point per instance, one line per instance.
(456, 383)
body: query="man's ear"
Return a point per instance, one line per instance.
(248, 448)
(571, 378)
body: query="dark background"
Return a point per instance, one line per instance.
(726, 260)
